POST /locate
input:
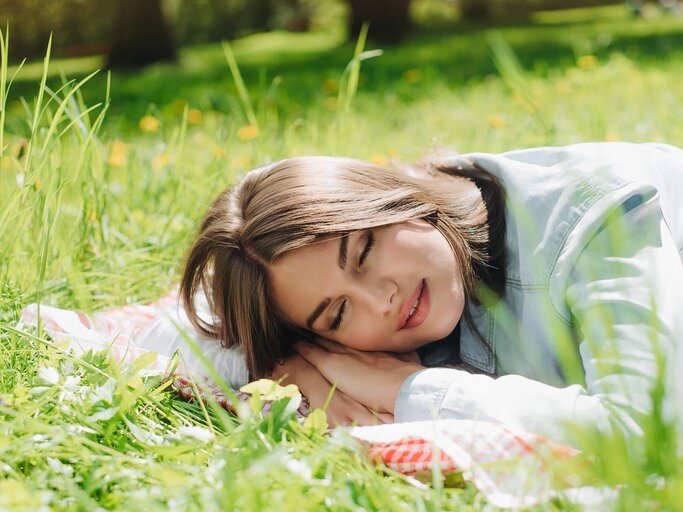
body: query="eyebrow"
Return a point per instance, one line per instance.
(314, 316)
(343, 249)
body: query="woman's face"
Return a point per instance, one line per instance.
(362, 290)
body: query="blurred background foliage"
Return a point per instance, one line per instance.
(137, 32)
(295, 50)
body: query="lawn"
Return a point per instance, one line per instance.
(102, 183)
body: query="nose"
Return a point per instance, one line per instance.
(376, 295)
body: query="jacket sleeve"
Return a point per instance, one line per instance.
(623, 293)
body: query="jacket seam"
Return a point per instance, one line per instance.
(526, 287)
(595, 196)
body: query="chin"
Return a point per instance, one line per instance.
(445, 328)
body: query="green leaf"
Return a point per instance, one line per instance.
(315, 423)
(142, 361)
(267, 389)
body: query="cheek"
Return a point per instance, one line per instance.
(364, 334)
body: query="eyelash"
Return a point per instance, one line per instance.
(364, 255)
(368, 247)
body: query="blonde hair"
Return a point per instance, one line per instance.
(298, 201)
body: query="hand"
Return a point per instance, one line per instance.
(373, 379)
(342, 410)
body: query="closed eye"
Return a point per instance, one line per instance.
(369, 244)
(338, 319)
(368, 247)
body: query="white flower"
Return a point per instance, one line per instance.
(299, 468)
(48, 375)
(80, 429)
(104, 393)
(199, 433)
(58, 467)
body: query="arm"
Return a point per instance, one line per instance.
(342, 410)
(622, 297)
(622, 293)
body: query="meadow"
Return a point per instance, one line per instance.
(103, 178)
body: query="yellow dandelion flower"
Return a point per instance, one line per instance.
(495, 121)
(241, 161)
(194, 116)
(160, 161)
(149, 124)
(119, 146)
(331, 103)
(587, 62)
(247, 132)
(612, 137)
(218, 152)
(330, 86)
(412, 76)
(117, 160)
(118, 155)
(379, 159)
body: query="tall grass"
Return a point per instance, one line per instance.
(98, 213)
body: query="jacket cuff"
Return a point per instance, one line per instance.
(422, 393)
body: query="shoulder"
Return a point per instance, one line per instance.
(559, 198)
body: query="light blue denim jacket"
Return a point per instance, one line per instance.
(594, 294)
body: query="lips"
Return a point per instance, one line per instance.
(405, 320)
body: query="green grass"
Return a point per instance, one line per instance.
(105, 211)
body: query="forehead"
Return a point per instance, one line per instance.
(298, 279)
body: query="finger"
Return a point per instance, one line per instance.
(343, 411)
(383, 417)
(362, 416)
(328, 364)
(335, 420)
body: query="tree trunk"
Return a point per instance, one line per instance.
(141, 35)
(261, 11)
(389, 19)
(475, 10)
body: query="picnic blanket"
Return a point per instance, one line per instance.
(512, 468)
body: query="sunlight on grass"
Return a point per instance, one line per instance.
(33, 71)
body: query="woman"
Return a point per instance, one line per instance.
(557, 269)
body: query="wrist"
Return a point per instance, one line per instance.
(401, 377)
(402, 396)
